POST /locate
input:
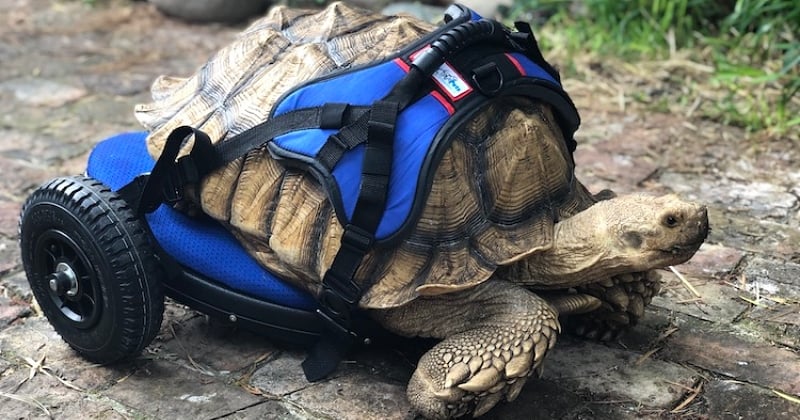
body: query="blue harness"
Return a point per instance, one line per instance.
(373, 136)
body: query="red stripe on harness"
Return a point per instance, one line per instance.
(516, 64)
(445, 103)
(402, 64)
(438, 96)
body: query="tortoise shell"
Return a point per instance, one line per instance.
(505, 179)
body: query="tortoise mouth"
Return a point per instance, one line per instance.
(681, 249)
(692, 244)
(685, 250)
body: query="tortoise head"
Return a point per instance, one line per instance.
(650, 232)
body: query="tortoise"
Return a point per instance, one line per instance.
(506, 239)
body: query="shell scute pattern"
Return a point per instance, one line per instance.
(459, 239)
(502, 182)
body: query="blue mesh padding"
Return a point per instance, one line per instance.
(416, 128)
(200, 244)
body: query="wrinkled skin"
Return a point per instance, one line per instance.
(496, 335)
(621, 235)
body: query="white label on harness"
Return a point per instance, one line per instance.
(448, 79)
(452, 82)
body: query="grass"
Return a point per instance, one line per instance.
(734, 61)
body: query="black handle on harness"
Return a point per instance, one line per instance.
(456, 39)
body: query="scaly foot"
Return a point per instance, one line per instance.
(470, 372)
(622, 302)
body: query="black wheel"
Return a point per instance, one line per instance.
(92, 268)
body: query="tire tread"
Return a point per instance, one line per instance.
(126, 243)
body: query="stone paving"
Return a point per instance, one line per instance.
(726, 347)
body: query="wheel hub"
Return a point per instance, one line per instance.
(64, 281)
(68, 278)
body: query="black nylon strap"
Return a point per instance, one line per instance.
(354, 134)
(340, 292)
(170, 175)
(324, 357)
(166, 180)
(338, 144)
(526, 40)
(332, 115)
(331, 152)
(300, 119)
(377, 166)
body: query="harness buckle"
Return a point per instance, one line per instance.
(357, 239)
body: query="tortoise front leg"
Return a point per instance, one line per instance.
(622, 300)
(495, 336)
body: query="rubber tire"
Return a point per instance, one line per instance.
(120, 276)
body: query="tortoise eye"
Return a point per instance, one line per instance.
(671, 220)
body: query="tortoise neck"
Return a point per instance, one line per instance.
(580, 253)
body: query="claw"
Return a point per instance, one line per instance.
(451, 395)
(541, 348)
(482, 381)
(514, 390)
(486, 403)
(636, 306)
(456, 374)
(618, 297)
(519, 365)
